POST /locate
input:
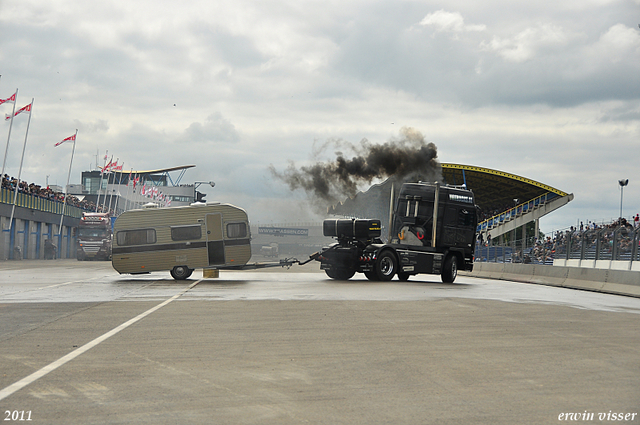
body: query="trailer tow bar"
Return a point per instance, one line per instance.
(287, 262)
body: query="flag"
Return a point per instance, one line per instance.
(68, 139)
(105, 169)
(25, 109)
(11, 99)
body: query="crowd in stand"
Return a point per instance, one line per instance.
(48, 193)
(619, 232)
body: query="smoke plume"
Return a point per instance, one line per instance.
(407, 157)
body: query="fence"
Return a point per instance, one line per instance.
(608, 247)
(39, 203)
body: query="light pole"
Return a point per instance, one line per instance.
(196, 185)
(622, 183)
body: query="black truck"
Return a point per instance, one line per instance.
(415, 245)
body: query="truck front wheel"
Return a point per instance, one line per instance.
(386, 266)
(450, 269)
(403, 276)
(181, 272)
(340, 273)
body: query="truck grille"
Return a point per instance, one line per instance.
(91, 249)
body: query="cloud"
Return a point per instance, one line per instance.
(215, 130)
(528, 43)
(549, 86)
(617, 44)
(97, 126)
(452, 22)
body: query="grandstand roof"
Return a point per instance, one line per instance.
(493, 188)
(158, 171)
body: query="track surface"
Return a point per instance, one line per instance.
(80, 344)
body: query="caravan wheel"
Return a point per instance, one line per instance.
(181, 272)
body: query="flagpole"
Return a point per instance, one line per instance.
(15, 196)
(109, 165)
(102, 174)
(64, 202)
(119, 195)
(114, 182)
(129, 183)
(6, 149)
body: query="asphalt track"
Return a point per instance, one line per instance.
(80, 344)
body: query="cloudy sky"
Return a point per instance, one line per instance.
(549, 90)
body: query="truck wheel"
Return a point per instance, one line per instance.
(386, 266)
(340, 273)
(450, 269)
(181, 272)
(403, 276)
(371, 275)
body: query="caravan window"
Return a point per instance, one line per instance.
(237, 230)
(185, 233)
(136, 237)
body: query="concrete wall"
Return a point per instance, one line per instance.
(622, 282)
(29, 231)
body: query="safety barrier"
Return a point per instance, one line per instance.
(620, 282)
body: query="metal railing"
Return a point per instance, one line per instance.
(39, 203)
(609, 243)
(514, 212)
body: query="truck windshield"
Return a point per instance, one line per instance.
(92, 233)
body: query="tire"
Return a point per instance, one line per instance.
(371, 275)
(340, 273)
(450, 269)
(386, 266)
(181, 272)
(402, 276)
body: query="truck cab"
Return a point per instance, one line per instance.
(425, 248)
(432, 230)
(94, 237)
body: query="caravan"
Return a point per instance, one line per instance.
(181, 239)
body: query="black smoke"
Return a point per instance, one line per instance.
(407, 157)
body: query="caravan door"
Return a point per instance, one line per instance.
(215, 243)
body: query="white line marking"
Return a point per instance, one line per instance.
(52, 286)
(6, 392)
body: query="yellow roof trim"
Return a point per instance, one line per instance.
(503, 174)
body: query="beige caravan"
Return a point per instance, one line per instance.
(181, 239)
